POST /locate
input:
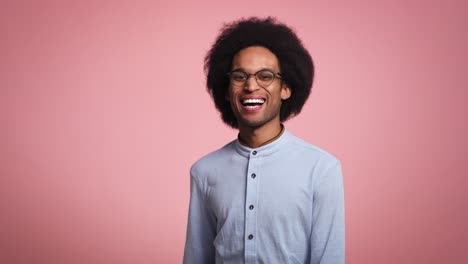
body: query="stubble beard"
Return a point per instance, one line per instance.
(257, 123)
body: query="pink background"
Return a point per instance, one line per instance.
(103, 110)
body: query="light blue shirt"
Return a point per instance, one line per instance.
(279, 203)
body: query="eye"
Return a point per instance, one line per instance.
(265, 76)
(238, 76)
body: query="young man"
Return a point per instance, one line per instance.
(268, 196)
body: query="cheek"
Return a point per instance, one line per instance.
(231, 98)
(232, 94)
(278, 95)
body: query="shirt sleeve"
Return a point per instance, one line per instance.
(328, 218)
(201, 228)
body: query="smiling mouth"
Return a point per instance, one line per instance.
(252, 102)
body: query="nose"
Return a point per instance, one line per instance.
(251, 83)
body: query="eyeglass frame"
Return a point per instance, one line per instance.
(275, 75)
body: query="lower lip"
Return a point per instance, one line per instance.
(252, 109)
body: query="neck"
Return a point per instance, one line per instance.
(257, 137)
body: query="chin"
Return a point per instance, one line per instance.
(255, 121)
(252, 123)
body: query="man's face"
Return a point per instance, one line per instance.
(255, 105)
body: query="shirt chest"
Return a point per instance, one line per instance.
(261, 190)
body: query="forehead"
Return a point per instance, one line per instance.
(252, 59)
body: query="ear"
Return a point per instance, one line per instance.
(285, 92)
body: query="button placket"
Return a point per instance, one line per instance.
(250, 208)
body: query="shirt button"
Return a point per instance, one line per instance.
(251, 207)
(253, 175)
(250, 237)
(254, 152)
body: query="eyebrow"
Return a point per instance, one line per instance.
(243, 70)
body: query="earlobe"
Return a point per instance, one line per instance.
(285, 92)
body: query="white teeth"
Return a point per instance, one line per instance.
(253, 101)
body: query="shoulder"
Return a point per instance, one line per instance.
(312, 152)
(209, 161)
(325, 167)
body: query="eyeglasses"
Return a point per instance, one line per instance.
(263, 77)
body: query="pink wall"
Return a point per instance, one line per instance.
(103, 110)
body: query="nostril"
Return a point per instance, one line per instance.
(251, 84)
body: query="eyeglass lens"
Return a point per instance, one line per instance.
(263, 77)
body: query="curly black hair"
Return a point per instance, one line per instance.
(297, 69)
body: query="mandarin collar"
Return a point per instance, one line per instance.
(264, 150)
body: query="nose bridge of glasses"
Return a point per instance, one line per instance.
(247, 79)
(250, 75)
